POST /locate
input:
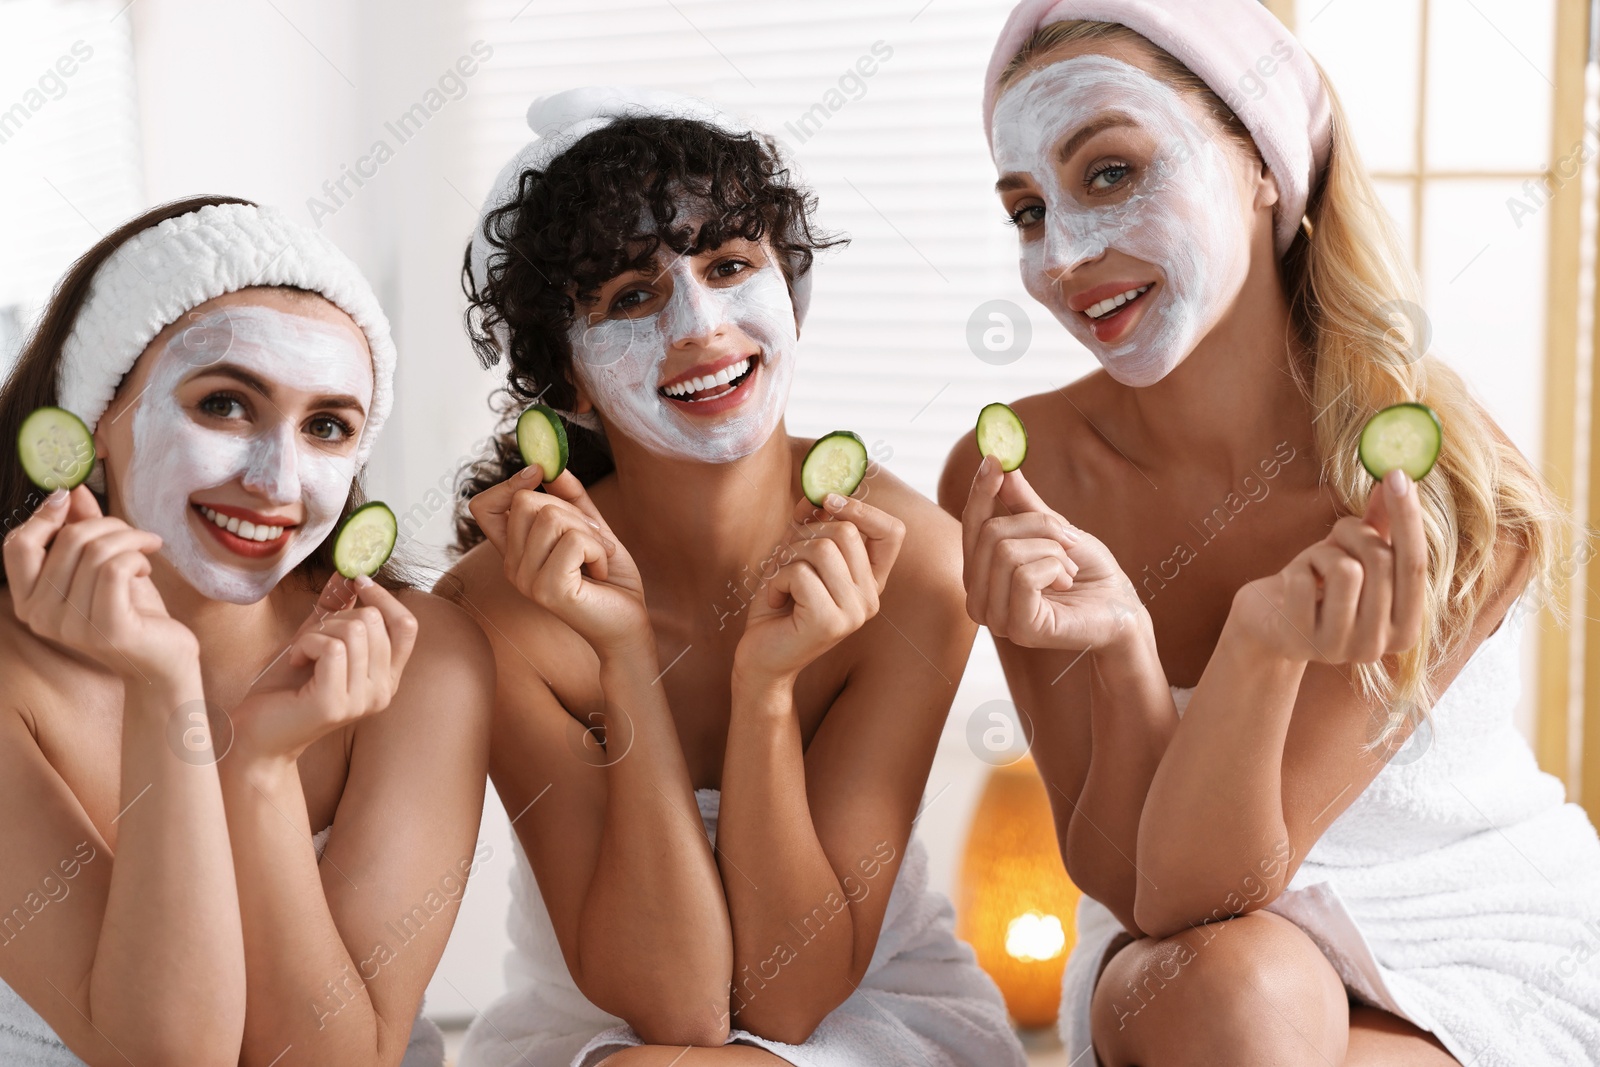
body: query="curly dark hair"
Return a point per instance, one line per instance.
(575, 225)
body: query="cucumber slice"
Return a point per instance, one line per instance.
(366, 540)
(543, 441)
(1407, 436)
(1002, 435)
(835, 464)
(56, 449)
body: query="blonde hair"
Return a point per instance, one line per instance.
(1340, 278)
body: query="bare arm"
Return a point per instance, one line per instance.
(1080, 659)
(1276, 742)
(140, 959)
(811, 844)
(613, 834)
(340, 952)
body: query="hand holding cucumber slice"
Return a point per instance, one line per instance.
(835, 464)
(1002, 435)
(56, 449)
(365, 541)
(542, 440)
(1407, 436)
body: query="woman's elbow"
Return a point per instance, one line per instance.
(704, 1026)
(793, 1019)
(792, 1026)
(1161, 914)
(681, 1032)
(689, 1012)
(1115, 894)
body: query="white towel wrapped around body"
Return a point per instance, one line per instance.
(26, 1040)
(923, 1002)
(1458, 891)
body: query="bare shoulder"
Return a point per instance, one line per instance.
(1065, 447)
(447, 635)
(931, 550)
(476, 585)
(35, 672)
(448, 685)
(528, 644)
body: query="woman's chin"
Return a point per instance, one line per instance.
(229, 589)
(231, 582)
(1136, 375)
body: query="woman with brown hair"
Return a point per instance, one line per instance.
(236, 834)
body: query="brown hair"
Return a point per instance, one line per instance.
(1341, 280)
(31, 384)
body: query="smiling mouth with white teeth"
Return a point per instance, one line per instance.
(1111, 304)
(241, 528)
(710, 386)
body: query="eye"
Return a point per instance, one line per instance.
(629, 299)
(1025, 217)
(730, 268)
(1117, 169)
(223, 406)
(328, 428)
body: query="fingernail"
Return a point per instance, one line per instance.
(983, 464)
(1399, 482)
(1071, 532)
(362, 581)
(56, 498)
(528, 472)
(834, 501)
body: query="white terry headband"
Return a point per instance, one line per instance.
(561, 120)
(160, 273)
(1229, 44)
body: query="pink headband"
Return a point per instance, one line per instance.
(1240, 50)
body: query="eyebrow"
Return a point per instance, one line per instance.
(262, 386)
(1108, 121)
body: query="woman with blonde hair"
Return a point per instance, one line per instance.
(1328, 843)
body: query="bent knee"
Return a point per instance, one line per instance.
(1220, 985)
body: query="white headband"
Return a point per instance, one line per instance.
(561, 120)
(160, 273)
(1229, 44)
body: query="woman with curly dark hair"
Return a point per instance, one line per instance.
(713, 787)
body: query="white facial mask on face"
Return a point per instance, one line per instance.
(618, 362)
(179, 455)
(1181, 211)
